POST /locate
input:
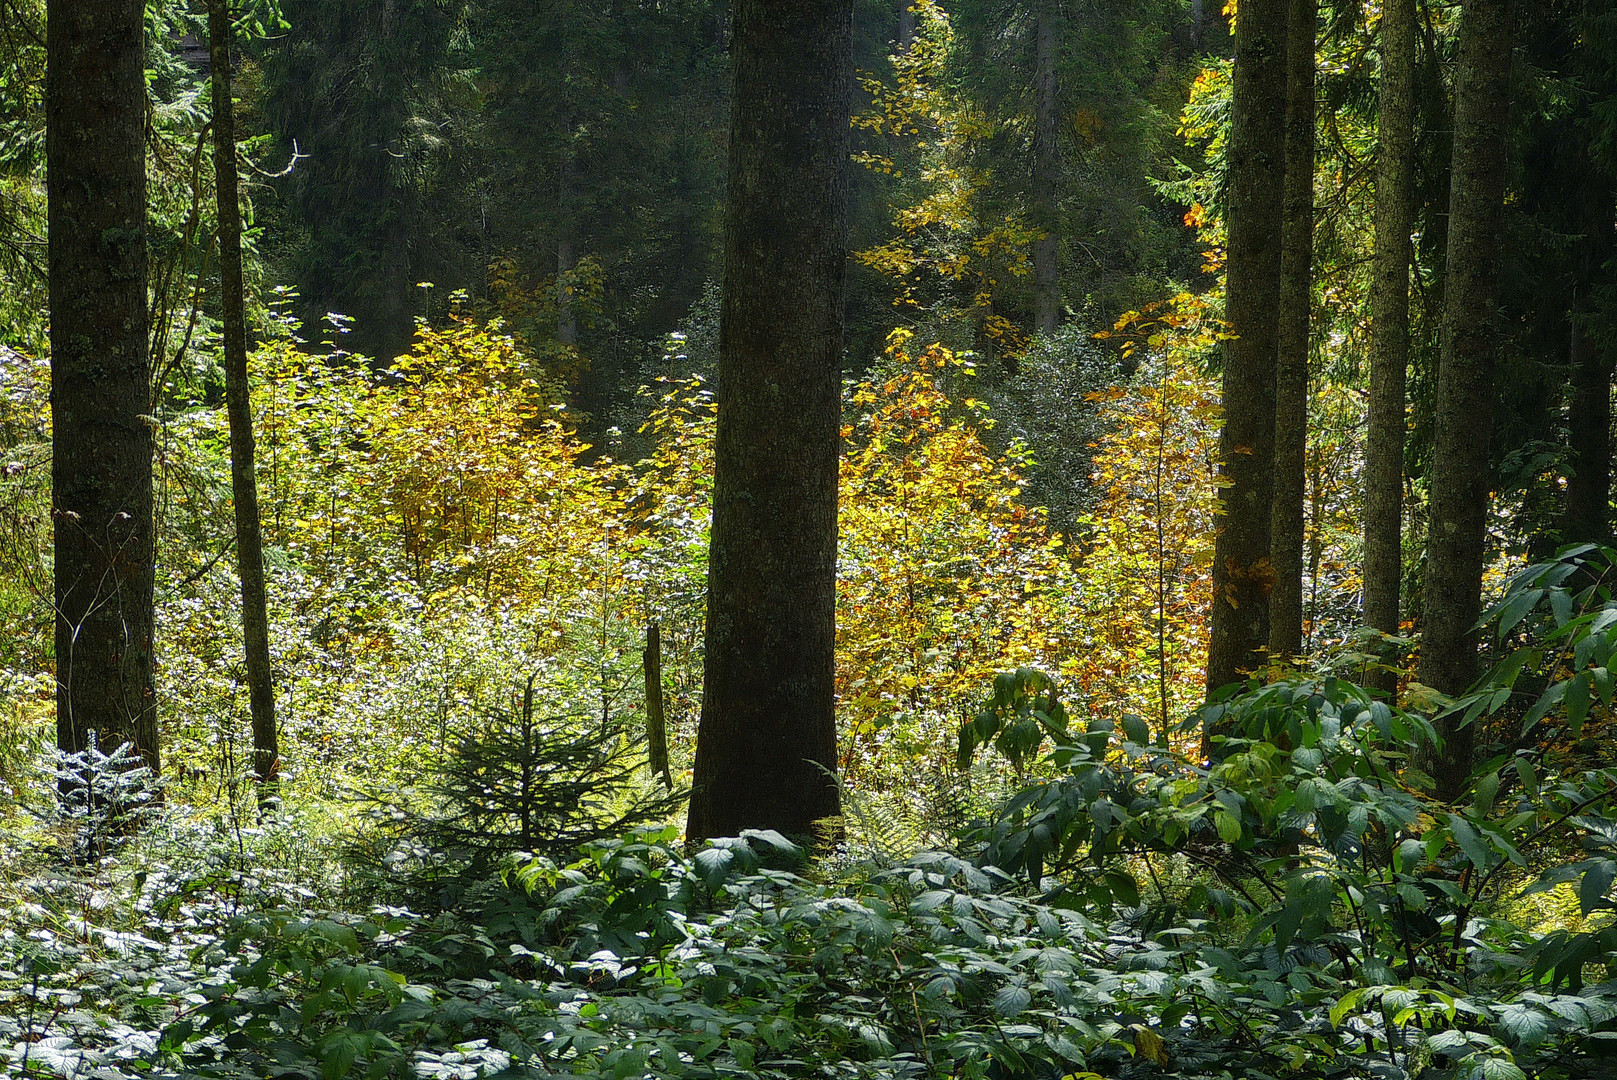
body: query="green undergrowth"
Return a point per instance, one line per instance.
(1300, 906)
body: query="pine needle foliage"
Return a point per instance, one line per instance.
(538, 784)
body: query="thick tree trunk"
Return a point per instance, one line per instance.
(1460, 473)
(1046, 163)
(239, 407)
(101, 471)
(766, 746)
(1389, 328)
(906, 24)
(1296, 296)
(1586, 516)
(1242, 573)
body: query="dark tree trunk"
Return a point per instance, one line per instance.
(656, 728)
(1046, 163)
(1296, 296)
(1586, 516)
(239, 407)
(906, 24)
(567, 250)
(1389, 328)
(101, 471)
(766, 746)
(1460, 473)
(1242, 573)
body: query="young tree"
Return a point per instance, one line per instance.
(1460, 474)
(766, 745)
(1296, 300)
(1242, 573)
(101, 470)
(1389, 327)
(239, 407)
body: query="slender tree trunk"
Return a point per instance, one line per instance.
(1296, 297)
(1389, 328)
(239, 407)
(1586, 516)
(566, 251)
(906, 24)
(1046, 163)
(1460, 473)
(656, 729)
(1242, 572)
(766, 745)
(101, 469)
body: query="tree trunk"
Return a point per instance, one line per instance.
(906, 24)
(1586, 517)
(1046, 163)
(1296, 297)
(1389, 329)
(101, 470)
(566, 251)
(239, 407)
(1242, 573)
(1460, 473)
(651, 664)
(766, 745)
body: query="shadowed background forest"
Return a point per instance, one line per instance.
(1175, 735)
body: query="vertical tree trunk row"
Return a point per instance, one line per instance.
(1046, 162)
(1242, 573)
(1291, 378)
(239, 407)
(766, 744)
(1389, 328)
(101, 471)
(1460, 474)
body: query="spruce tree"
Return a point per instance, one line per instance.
(766, 746)
(101, 467)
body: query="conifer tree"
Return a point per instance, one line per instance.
(1296, 301)
(1242, 572)
(1460, 475)
(101, 467)
(238, 404)
(766, 745)
(1389, 327)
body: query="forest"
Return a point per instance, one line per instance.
(976, 539)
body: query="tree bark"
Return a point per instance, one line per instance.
(1460, 474)
(1242, 572)
(101, 470)
(1586, 516)
(766, 744)
(651, 664)
(906, 24)
(239, 408)
(1046, 163)
(1389, 329)
(566, 250)
(1296, 297)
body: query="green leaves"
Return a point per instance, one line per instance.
(1024, 709)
